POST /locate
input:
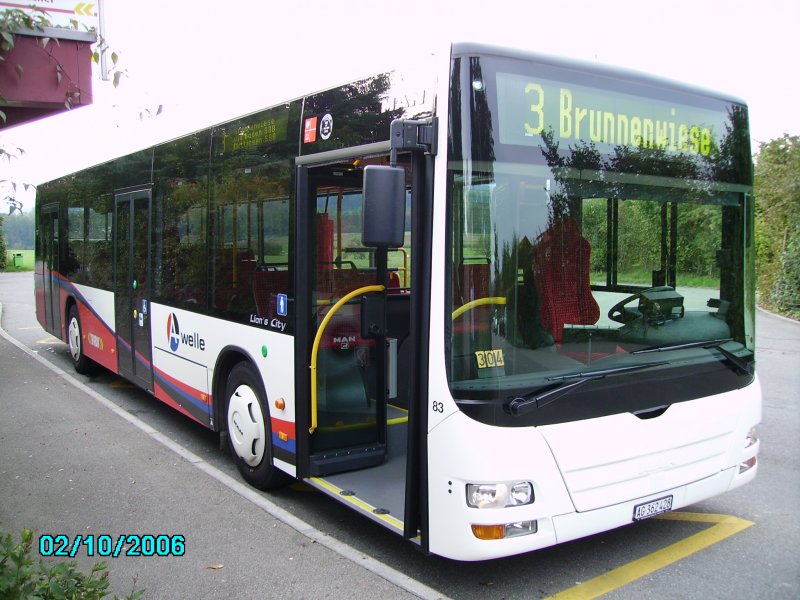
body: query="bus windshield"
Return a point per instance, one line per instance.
(595, 221)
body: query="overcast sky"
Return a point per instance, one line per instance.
(210, 61)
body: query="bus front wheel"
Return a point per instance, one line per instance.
(248, 428)
(80, 361)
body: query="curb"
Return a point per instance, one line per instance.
(777, 316)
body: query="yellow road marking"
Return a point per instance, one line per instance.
(724, 527)
(49, 340)
(122, 384)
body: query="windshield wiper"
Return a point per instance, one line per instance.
(537, 399)
(739, 362)
(600, 373)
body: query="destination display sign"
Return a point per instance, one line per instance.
(270, 126)
(529, 106)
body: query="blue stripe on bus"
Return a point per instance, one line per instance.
(289, 445)
(178, 393)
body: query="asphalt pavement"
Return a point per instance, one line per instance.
(72, 463)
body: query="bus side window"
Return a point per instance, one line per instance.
(268, 283)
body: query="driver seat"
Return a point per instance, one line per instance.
(561, 275)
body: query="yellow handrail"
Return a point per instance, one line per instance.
(318, 338)
(405, 264)
(475, 303)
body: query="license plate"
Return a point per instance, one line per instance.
(654, 507)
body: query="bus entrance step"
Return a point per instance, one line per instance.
(347, 459)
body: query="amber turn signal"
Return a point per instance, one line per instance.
(488, 532)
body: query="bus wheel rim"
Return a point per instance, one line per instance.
(246, 425)
(74, 339)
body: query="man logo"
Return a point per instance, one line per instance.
(173, 332)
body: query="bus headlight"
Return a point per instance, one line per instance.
(499, 495)
(751, 438)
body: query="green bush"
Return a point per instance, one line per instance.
(778, 224)
(21, 577)
(786, 289)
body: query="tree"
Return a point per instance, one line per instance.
(777, 190)
(18, 231)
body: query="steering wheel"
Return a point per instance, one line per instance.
(651, 309)
(620, 314)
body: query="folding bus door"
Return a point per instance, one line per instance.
(361, 360)
(51, 278)
(132, 286)
(348, 400)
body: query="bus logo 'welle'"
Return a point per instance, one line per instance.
(176, 338)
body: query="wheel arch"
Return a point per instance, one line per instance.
(228, 358)
(264, 475)
(69, 302)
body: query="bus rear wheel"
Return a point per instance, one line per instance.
(80, 361)
(249, 434)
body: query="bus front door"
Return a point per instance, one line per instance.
(132, 287)
(348, 388)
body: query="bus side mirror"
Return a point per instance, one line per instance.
(384, 207)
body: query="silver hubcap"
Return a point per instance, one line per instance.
(246, 425)
(74, 335)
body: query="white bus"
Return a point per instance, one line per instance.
(497, 312)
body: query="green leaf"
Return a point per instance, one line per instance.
(117, 77)
(114, 58)
(20, 70)
(56, 589)
(8, 41)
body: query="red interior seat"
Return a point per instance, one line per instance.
(561, 274)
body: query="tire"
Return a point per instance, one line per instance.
(249, 435)
(80, 361)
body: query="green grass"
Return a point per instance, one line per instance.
(645, 278)
(27, 260)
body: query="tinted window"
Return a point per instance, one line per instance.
(180, 197)
(251, 218)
